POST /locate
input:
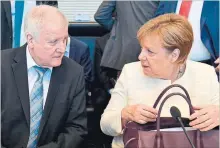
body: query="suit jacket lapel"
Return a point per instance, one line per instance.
(21, 80)
(55, 81)
(7, 8)
(172, 6)
(203, 16)
(206, 24)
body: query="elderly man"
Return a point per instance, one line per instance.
(43, 96)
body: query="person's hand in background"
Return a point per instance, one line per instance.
(218, 65)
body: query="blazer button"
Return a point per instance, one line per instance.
(10, 37)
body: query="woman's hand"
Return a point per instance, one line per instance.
(139, 113)
(205, 118)
(218, 65)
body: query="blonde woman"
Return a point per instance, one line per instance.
(166, 42)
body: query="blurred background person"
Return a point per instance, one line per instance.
(166, 42)
(122, 46)
(104, 81)
(79, 52)
(12, 16)
(205, 24)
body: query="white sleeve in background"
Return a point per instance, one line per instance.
(111, 118)
(28, 5)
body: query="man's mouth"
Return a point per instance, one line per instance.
(57, 56)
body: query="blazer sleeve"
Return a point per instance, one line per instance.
(103, 15)
(75, 130)
(160, 9)
(111, 118)
(100, 74)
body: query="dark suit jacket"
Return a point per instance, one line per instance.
(63, 124)
(6, 22)
(103, 75)
(79, 52)
(6, 25)
(105, 78)
(209, 23)
(100, 95)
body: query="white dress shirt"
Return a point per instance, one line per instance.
(198, 51)
(32, 76)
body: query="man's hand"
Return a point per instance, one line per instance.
(139, 113)
(205, 118)
(218, 64)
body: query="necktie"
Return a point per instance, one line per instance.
(36, 107)
(185, 7)
(19, 8)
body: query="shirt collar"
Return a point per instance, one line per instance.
(30, 60)
(68, 46)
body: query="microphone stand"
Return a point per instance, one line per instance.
(180, 120)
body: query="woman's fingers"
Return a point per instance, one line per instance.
(148, 114)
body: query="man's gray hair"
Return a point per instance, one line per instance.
(35, 18)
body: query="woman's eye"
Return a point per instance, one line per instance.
(150, 52)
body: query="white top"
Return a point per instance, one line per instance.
(32, 76)
(198, 52)
(133, 87)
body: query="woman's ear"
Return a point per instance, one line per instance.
(175, 55)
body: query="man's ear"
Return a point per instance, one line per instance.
(175, 55)
(29, 40)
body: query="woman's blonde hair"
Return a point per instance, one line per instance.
(174, 31)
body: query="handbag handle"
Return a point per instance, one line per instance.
(158, 138)
(168, 88)
(164, 100)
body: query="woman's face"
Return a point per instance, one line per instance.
(155, 60)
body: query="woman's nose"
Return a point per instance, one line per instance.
(142, 56)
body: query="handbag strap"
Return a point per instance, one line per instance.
(158, 138)
(168, 88)
(164, 100)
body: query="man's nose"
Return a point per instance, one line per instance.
(62, 47)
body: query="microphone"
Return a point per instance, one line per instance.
(175, 112)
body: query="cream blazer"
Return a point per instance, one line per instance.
(133, 87)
